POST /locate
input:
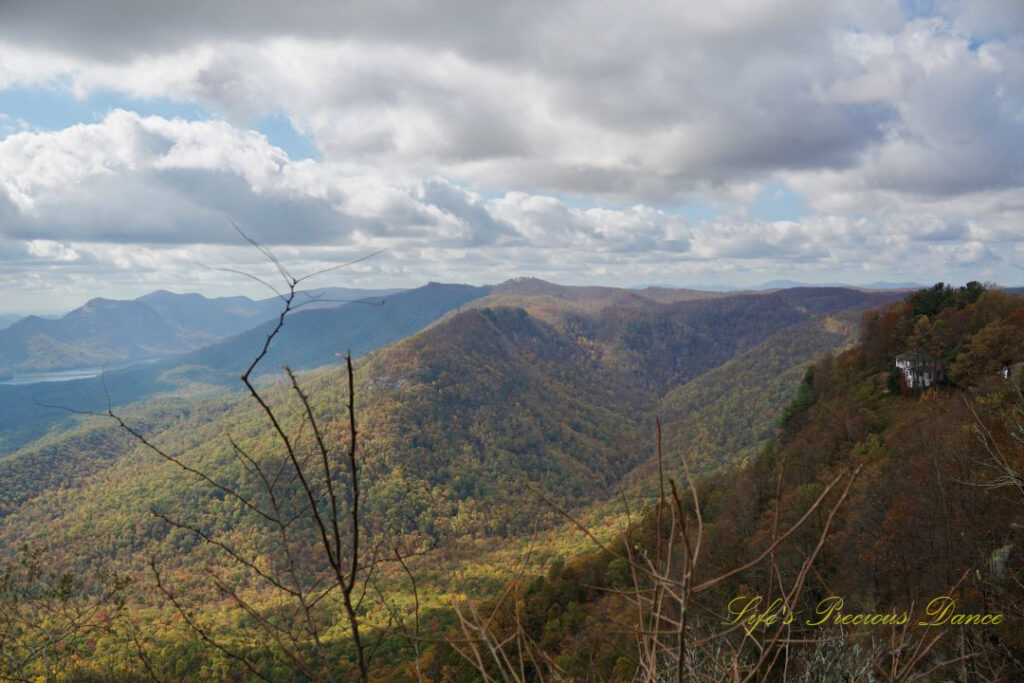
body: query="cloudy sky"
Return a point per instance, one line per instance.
(728, 142)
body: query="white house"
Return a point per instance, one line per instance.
(920, 369)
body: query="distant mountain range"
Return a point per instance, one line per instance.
(316, 337)
(164, 323)
(485, 414)
(650, 340)
(311, 337)
(156, 325)
(788, 284)
(525, 383)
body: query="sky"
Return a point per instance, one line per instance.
(623, 143)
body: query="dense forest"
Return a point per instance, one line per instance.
(514, 512)
(933, 508)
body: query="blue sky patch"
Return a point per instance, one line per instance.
(281, 133)
(56, 109)
(776, 203)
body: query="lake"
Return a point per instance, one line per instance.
(67, 375)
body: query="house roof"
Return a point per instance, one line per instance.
(917, 356)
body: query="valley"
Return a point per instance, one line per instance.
(512, 342)
(505, 432)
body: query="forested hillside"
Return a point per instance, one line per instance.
(586, 387)
(920, 498)
(465, 428)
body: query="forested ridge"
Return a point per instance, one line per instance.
(469, 427)
(502, 386)
(937, 509)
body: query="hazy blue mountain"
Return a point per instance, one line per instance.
(311, 337)
(8, 319)
(882, 284)
(226, 316)
(326, 297)
(220, 316)
(315, 337)
(152, 326)
(101, 330)
(787, 284)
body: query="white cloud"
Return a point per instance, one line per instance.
(151, 197)
(647, 102)
(464, 136)
(53, 251)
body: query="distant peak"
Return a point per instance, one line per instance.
(432, 284)
(526, 280)
(525, 285)
(164, 294)
(99, 301)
